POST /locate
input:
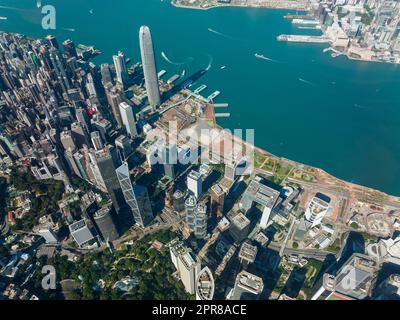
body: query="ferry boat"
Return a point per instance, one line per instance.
(201, 88)
(213, 95)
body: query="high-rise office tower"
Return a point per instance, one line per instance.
(135, 196)
(190, 206)
(58, 65)
(79, 135)
(69, 49)
(80, 163)
(105, 74)
(114, 98)
(105, 223)
(90, 86)
(247, 287)
(178, 201)
(149, 67)
(200, 221)
(107, 159)
(121, 69)
(96, 140)
(52, 41)
(67, 139)
(128, 119)
(170, 159)
(217, 200)
(196, 217)
(69, 156)
(94, 168)
(124, 146)
(230, 170)
(186, 264)
(239, 227)
(194, 183)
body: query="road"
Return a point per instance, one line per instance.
(306, 253)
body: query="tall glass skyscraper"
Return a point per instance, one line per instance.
(149, 67)
(107, 159)
(136, 197)
(121, 69)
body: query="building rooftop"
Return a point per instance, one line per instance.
(240, 221)
(248, 252)
(194, 175)
(205, 285)
(262, 193)
(216, 188)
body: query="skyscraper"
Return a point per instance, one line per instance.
(169, 158)
(52, 41)
(106, 159)
(135, 196)
(247, 287)
(186, 264)
(149, 67)
(196, 217)
(69, 49)
(105, 224)
(194, 183)
(128, 119)
(57, 61)
(217, 200)
(121, 69)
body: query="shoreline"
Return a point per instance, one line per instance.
(325, 179)
(237, 6)
(304, 9)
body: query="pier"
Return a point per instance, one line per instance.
(301, 38)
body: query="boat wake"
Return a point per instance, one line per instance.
(69, 29)
(307, 82)
(210, 62)
(190, 59)
(266, 58)
(356, 105)
(11, 8)
(220, 33)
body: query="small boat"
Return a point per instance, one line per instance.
(38, 3)
(183, 73)
(260, 56)
(223, 67)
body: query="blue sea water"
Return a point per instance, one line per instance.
(339, 115)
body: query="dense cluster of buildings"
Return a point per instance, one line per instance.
(363, 29)
(64, 118)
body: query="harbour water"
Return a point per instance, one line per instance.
(339, 115)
